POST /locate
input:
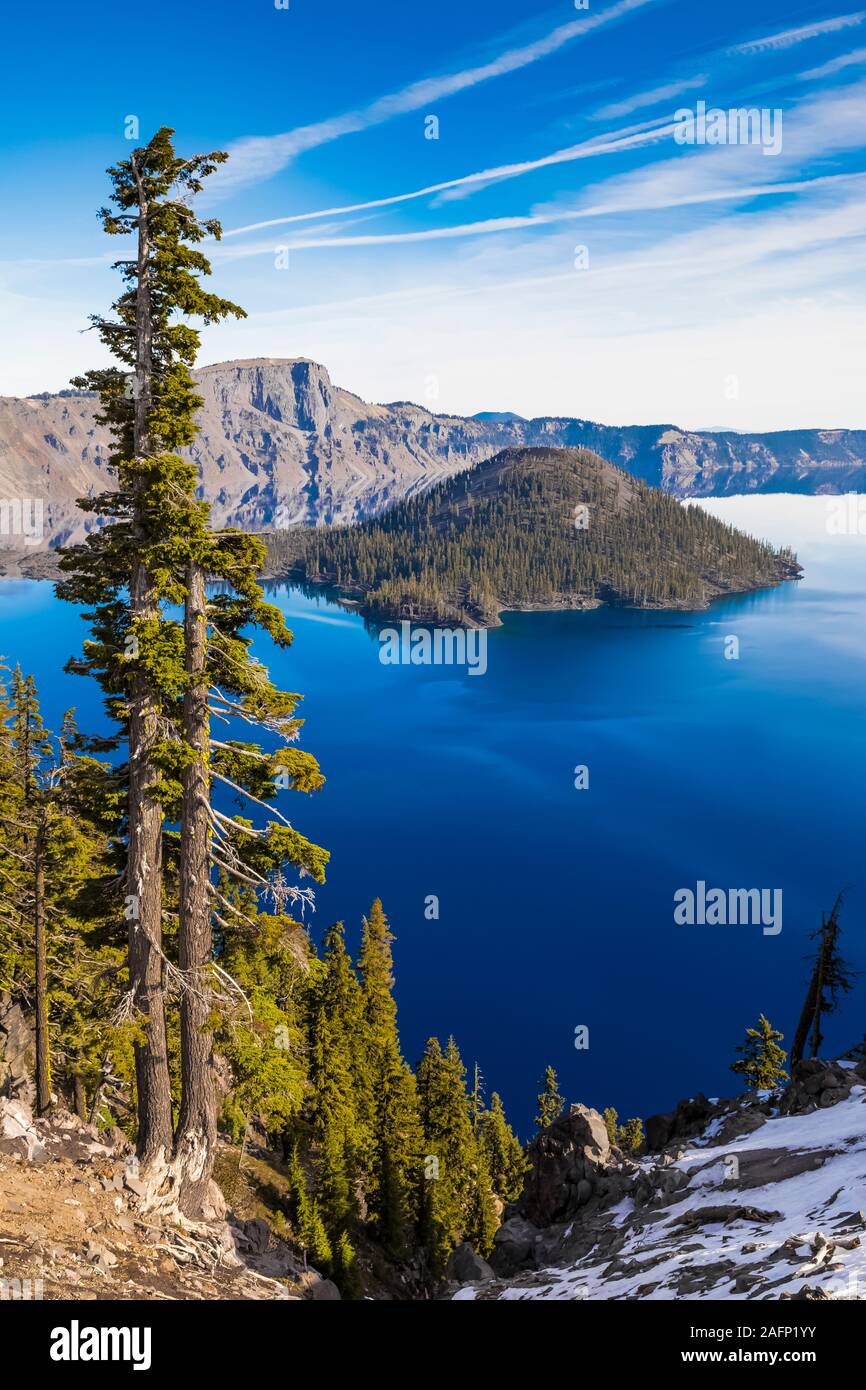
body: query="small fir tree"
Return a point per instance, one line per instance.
(762, 1064)
(610, 1118)
(550, 1101)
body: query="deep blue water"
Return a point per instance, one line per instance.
(556, 905)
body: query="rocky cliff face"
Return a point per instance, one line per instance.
(280, 445)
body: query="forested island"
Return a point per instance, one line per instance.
(531, 528)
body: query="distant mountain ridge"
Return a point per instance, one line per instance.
(280, 445)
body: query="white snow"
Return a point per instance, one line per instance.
(808, 1203)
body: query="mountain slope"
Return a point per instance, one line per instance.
(279, 444)
(532, 528)
(764, 1201)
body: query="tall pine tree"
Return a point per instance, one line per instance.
(396, 1146)
(166, 681)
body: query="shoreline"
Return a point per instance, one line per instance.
(571, 603)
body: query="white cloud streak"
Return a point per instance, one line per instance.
(259, 157)
(780, 288)
(845, 60)
(652, 97)
(630, 137)
(648, 200)
(787, 38)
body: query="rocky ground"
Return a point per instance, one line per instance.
(755, 1198)
(760, 1197)
(70, 1227)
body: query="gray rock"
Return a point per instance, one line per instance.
(514, 1243)
(688, 1120)
(18, 1135)
(324, 1291)
(468, 1267)
(17, 1052)
(744, 1121)
(566, 1161)
(253, 1235)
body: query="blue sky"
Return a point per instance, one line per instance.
(572, 256)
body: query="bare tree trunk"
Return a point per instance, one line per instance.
(144, 908)
(79, 1096)
(196, 1134)
(144, 866)
(817, 1038)
(801, 1036)
(104, 1070)
(43, 1056)
(822, 976)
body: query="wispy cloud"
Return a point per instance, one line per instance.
(845, 60)
(823, 124)
(653, 97)
(653, 196)
(778, 284)
(259, 157)
(787, 38)
(629, 138)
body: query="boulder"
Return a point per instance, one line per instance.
(18, 1135)
(467, 1267)
(566, 1162)
(817, 1083)
(832, 1096)
(100, 1255)
(514, 1245)
(687, 1121)
(253, 1236)
(215, 1207)
(744, 1121)
(324, 1291)
(17, 1052)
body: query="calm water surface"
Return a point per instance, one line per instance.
(556, 905)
